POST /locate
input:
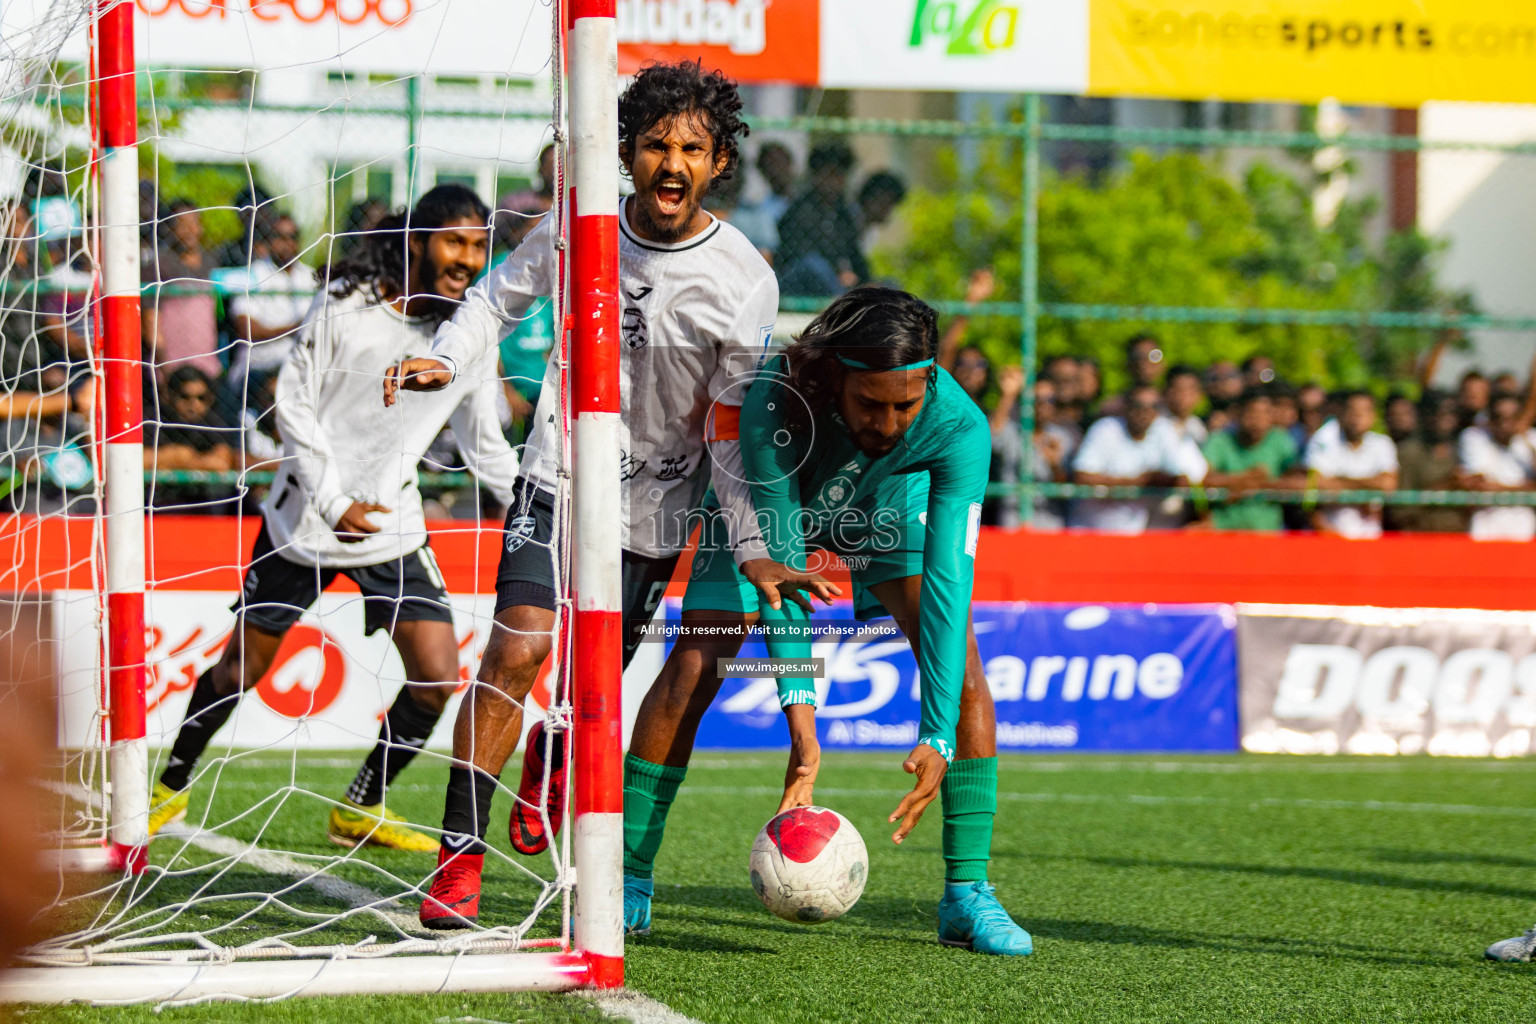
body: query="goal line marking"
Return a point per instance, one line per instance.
(357, 897)
(623, 1004)
(1494, 810)
(635, 1007)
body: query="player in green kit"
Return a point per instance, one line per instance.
(852, 441)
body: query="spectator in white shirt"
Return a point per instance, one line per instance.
(1181, 397)
(1346, 455)
(1499, 458)
(1140, 449)
(269, 299)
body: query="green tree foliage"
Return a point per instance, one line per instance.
(1175, 230)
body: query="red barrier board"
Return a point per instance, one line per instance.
(1396, 571)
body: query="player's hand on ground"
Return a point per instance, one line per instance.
(353, 525)
(804, 758)
(779, 582)
(929, 766)
(415, 375)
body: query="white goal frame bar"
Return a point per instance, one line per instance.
(588, 31)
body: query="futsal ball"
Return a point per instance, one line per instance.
(809, 865)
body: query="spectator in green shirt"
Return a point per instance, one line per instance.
(524, 353)
(525, 349)
(1255, 455)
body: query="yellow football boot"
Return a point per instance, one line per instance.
(166, 805)
(355, 825)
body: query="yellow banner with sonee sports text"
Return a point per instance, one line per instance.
(1389, 52)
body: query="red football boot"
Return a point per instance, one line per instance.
(527, 827)
(454, 899)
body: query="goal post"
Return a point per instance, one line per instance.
(592, 49)
(142, 941)
(123, 437)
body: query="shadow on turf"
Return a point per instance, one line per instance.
(890, 916)
(1392, 856)
(1353, 877)
(904, 920)
(1136, 935)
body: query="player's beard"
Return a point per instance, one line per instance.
(424, 274)
(675, 227)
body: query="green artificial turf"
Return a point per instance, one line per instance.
(1157, 888)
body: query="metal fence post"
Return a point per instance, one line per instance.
(1029, 295)
(413, 115)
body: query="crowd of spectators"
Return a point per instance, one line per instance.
(813, 232)
(1261, 440)
(218, 323)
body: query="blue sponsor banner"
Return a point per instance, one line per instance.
(1063, 677)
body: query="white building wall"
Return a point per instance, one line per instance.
(1484, 203)
(302, 125)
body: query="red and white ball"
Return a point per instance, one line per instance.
(809, 865)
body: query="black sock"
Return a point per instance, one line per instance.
(468, 812)
(206, 714)
(403, 732)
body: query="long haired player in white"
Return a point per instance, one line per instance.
(345, 500)
(699, 304)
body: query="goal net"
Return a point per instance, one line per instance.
(154, 282)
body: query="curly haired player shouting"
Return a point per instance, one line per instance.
(699, 304)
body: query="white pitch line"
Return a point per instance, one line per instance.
(635, 1007)
(1496, 810)
(358, 897)
(619, 1005)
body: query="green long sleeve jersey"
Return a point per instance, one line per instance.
(816, 484)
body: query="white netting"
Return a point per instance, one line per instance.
(270, 144)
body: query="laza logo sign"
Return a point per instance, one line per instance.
(738, 24)
(965, 27)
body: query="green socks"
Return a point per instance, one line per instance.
(969, 794)
(649, 790)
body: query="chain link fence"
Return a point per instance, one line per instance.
(1301, 254)
(1328, 253)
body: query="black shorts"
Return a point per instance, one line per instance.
(526, 575)
(276, 591)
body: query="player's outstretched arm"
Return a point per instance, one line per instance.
(804, 757)
(415, 375)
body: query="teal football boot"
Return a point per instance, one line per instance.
(971, 917)
(637, 904)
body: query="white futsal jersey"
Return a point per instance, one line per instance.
(341, 444)
(696, 320)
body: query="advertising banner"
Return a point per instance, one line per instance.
(1357, 51)
(1387, 681)
(453, 37)
(1063, 678)
(982, 45)
(328, 688)
(750, 40)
